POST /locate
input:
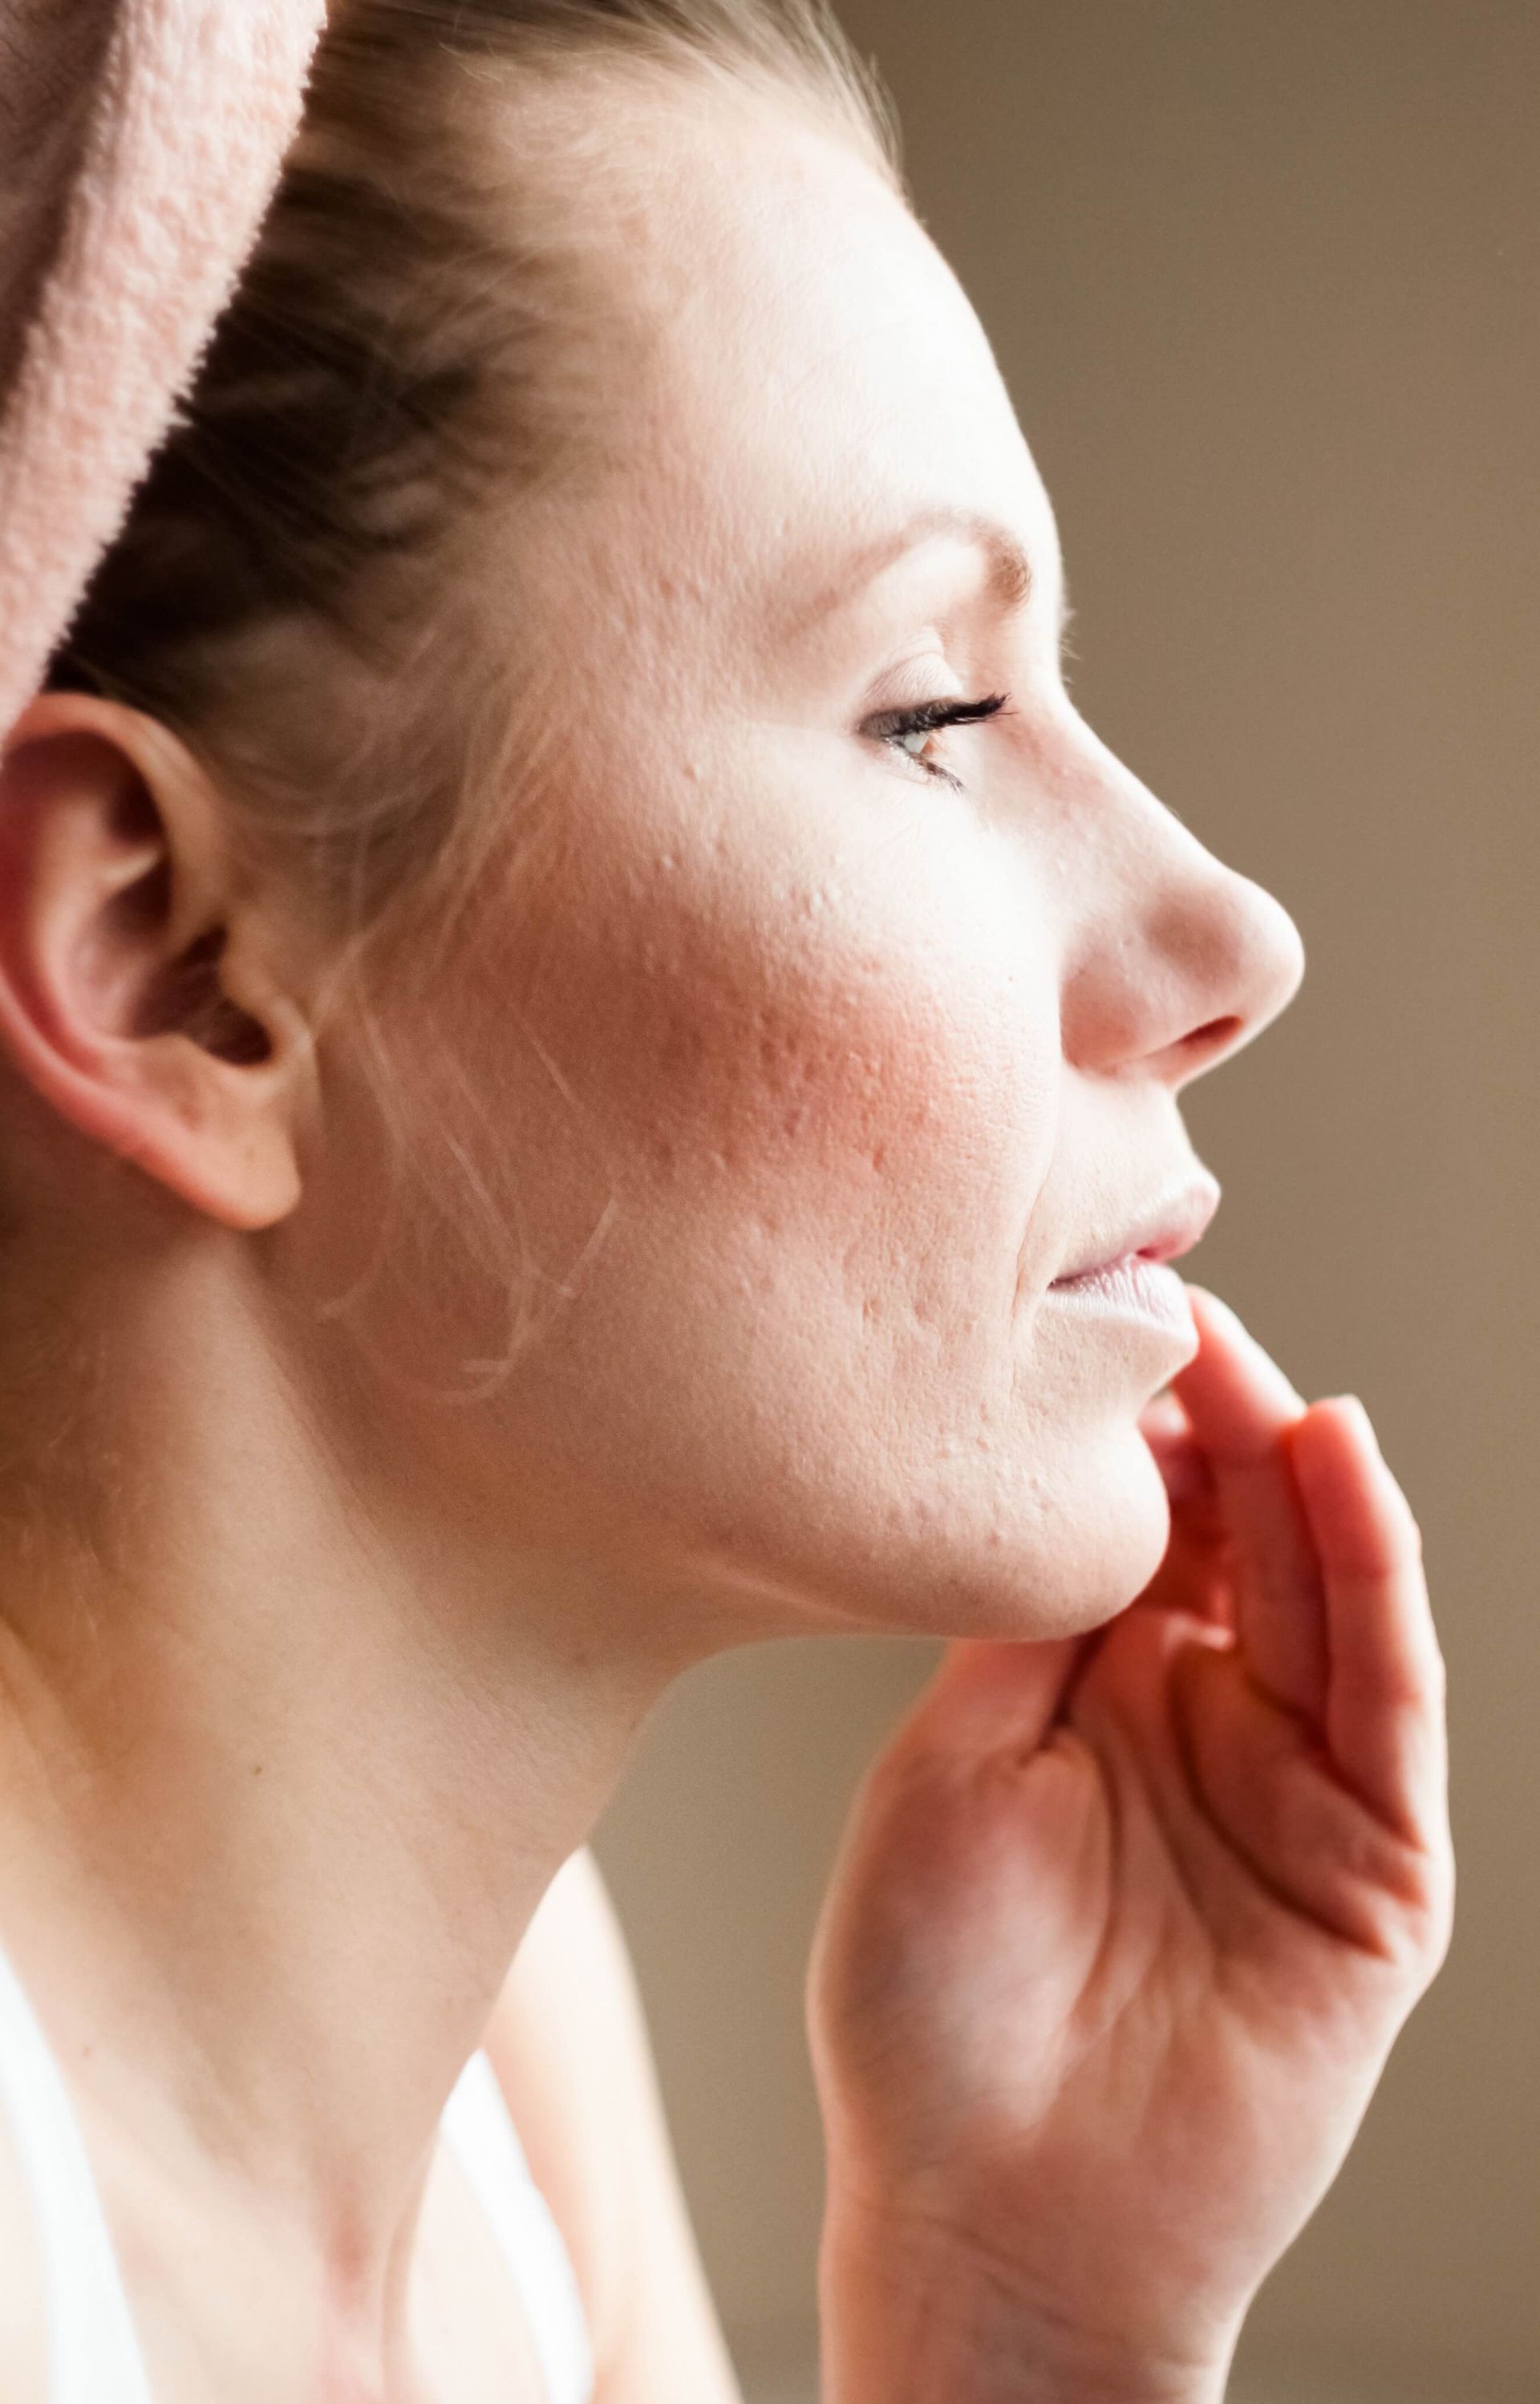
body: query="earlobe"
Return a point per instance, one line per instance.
(130, 998)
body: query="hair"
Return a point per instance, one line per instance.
(300, 591)
(403, 348)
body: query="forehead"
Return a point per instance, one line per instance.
(813, 379)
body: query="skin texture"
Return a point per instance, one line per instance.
(350, 1533)
(831, 1067)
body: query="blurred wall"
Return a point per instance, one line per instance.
(1262, 275)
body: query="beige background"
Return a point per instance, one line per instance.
(1262, 278)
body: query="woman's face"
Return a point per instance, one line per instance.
(812, 1053)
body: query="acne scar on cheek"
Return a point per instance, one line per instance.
(815, 1059)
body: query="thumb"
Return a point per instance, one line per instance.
(988, 1696)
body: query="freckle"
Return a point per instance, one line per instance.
(256, 1769)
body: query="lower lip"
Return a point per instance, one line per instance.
(1131, 1288)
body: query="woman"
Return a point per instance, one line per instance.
(592, 1069)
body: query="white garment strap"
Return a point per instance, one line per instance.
(94, 2355)
(93, 2350)
(477, 2123)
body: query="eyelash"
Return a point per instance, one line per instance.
(893, 726)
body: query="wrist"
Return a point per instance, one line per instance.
(918, 2316)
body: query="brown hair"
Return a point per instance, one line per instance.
(283, 592)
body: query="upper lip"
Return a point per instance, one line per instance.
(1165, 1227)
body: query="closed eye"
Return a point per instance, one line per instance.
(909, 730)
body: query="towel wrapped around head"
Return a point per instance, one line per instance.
(140, 142)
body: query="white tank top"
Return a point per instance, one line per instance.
(93, 2352)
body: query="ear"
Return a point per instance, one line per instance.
(134, 996)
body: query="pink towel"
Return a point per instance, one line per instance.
(140, 142)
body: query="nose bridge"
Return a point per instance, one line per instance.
(1181, 959)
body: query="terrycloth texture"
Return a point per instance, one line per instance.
(50, 58)
(140, 142)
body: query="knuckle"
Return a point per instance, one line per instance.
(1433, 1923)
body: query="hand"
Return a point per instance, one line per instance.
(1124, 1927)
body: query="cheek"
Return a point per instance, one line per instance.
(817, 1071)
(778, 1147)
(820, 1116)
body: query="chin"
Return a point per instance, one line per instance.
(1099, 1534)
(1024, 1544)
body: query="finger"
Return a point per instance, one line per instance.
(1181, 1460)
(1196, 1576)
(1240, 1405)
(1197, 1572)
(987, 1695)
(1233, 1394)
(1385, 1700)
(1267, 1786)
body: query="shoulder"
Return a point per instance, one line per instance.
(568, 2041)
(23, 2324)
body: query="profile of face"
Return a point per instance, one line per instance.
(824, 1047)
(818, 1045)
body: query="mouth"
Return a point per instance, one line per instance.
(1128, 1271)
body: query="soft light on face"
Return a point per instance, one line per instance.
(821, 1044)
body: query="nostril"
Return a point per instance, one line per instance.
(1217, 1036)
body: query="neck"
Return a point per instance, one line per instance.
(281, 1784)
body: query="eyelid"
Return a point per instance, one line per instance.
(937, 710)
(932, 717)
(916, 675)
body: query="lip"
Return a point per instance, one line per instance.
(1167, 1226)
(1135, 1290)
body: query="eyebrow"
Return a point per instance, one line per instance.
(1011, 580)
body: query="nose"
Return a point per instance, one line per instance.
(1177, 960)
